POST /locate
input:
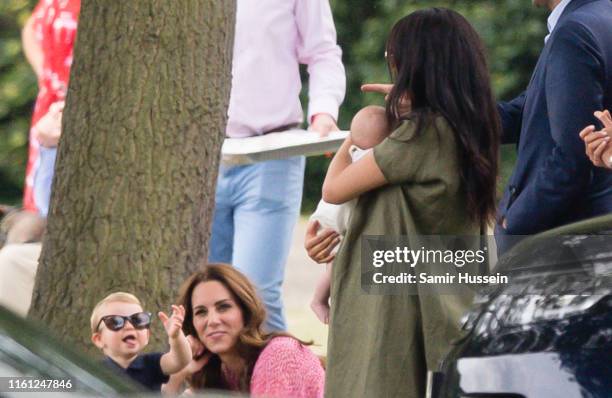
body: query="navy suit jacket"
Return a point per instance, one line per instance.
(553, 182)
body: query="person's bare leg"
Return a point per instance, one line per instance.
(320, 300)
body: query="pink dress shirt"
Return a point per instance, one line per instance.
(272, 38)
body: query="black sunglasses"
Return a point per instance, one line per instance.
(140, 320)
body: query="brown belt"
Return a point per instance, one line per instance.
(282, 128)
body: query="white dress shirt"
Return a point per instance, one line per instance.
(554, 16)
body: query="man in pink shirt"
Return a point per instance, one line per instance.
(257, 205)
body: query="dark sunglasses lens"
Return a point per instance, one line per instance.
(113, 322)
(141, 320)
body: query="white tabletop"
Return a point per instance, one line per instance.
(280, 145)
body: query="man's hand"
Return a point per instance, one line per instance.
(597, 143)
(49, 128)
(405, 105)
(323, 123)
(381, 88)
(606, 120)
(174, 323)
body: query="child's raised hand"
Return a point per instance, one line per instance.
(174, 323)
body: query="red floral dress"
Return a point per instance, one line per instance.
(55, 25)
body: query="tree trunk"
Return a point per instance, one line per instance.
(137, 162)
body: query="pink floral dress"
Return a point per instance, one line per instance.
(285, 369)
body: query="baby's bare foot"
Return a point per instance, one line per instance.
(321, 310)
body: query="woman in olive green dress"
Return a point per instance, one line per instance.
(434, 175)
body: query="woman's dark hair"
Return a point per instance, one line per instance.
(437, 62)
(251, 341)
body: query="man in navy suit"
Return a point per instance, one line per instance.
(554, 182)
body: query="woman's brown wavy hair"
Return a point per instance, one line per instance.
(437, 61)
(251, 340)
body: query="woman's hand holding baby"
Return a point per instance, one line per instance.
(320, 245)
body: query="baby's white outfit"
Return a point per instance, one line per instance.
(333, 216)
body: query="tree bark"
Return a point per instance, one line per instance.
(137, 161)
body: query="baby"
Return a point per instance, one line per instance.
(369, 128)
(120, 328)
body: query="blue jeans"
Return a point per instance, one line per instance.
(256, 208)
(43, 178)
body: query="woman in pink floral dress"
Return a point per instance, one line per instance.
(223, 320)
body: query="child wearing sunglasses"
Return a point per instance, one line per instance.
(120, 328)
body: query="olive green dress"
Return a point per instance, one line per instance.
(383, 345)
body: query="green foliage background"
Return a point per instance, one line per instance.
(513, 32)
(17, 92)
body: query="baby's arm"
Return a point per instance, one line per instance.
(175, 384)
(179, 355)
